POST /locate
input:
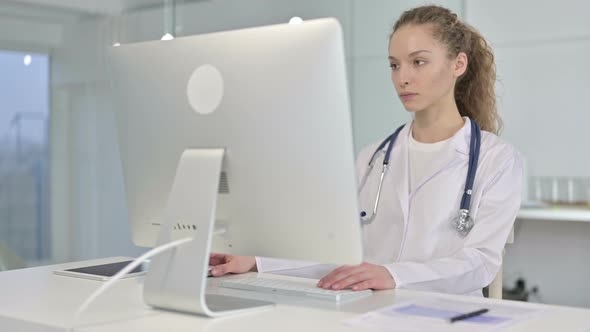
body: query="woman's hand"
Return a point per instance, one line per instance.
(358, 277)
(222, 264)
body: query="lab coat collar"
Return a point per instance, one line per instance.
(462, 138)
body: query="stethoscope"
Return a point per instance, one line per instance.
(463, 223)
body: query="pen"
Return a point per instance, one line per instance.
(468, 315)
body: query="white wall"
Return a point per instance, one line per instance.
(543, 78)
(23, 32)
(541, 50)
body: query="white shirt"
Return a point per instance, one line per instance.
(425, 157)
(412, 235)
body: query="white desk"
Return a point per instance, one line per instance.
(37, 300)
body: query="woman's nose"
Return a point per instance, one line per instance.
(403, 78)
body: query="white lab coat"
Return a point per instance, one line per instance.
(412, 234)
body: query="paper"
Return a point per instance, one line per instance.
(433, 314)
(317, 271)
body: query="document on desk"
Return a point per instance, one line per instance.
(433, 314)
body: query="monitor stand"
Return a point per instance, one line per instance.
(177, 279)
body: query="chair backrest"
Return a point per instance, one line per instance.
(495, 288)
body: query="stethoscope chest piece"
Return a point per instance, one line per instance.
(463, 222)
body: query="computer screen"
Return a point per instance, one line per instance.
(275, 99)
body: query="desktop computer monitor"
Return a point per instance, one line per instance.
(275, 101)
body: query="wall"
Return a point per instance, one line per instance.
(543, 80)
(542, 90)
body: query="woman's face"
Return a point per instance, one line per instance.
(422, 73)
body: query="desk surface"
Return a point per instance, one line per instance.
(37, 300)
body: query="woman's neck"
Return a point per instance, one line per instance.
(435, 125)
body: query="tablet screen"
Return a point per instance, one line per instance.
(105, 270)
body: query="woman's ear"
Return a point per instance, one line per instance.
(460, 64)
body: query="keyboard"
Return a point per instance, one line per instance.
(292, 288)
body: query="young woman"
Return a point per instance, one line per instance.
(444, 73)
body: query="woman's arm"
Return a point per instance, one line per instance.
(478, 262)
(471, 268)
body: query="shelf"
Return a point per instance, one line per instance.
(554, 213)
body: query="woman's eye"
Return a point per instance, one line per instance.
(419, 62)
(393, 65)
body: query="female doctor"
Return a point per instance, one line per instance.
(444, 73)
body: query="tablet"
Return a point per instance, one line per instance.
(101, 272)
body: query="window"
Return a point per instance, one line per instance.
(24, 192)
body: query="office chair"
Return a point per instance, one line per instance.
(495, 288)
